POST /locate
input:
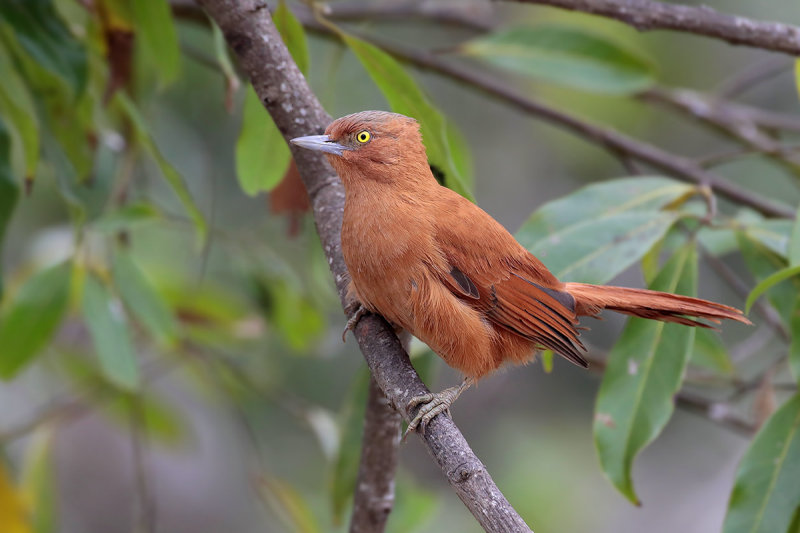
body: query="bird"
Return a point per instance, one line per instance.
(436, 265)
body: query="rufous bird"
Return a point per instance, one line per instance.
(436, 265)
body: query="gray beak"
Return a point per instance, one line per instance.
(320, 143)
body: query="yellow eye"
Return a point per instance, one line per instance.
(363, 136)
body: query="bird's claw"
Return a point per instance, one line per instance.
(353, 320)
(432, 406)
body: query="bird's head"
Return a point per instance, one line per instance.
(373, 145)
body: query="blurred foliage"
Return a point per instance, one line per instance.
(122, 270)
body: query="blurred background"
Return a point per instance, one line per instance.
(247, 415)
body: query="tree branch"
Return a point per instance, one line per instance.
(380, 444)
(296, 111)
(645, 15)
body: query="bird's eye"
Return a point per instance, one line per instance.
(363, 136)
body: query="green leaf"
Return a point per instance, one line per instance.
(143, 301)
(42, 34)
(16, 104)
(547, 361)
(763, 263)
(772, 233)
(156, 32)
(597, 232)
(290, 312)
(285, 501)
(794, 346)
(127, 217)
(38, 480)
(345, 466)
(405, 97)
(564, 55)
(161, 421)
(173, 177)
(709, 352)
(797, 75)
(262, 155)
(644, 371)
(768, 283)
(793, 250)
(108, 327)
(293, 35)
(413, 507)
(33, 317)
(766, 493)
(9, 189)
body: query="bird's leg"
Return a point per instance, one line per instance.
(360, 311)
(434, 404)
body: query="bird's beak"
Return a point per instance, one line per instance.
(320, 143)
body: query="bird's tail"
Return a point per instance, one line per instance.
(591, 299)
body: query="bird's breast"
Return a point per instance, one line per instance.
(388, 253)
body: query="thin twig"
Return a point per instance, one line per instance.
(754, 74)
(645, 15)
(469, 15)
(145, 502)
(296, 111)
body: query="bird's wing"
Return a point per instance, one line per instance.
(490, 271)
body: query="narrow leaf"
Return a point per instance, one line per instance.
(9, 188)
(143, 301)
(293, 35)
(16, 104)
(709, 352)
(763, 263)
(597, 232)
(794, 346)
(33, 317)
(547, 361)
(290, 506)
(262, 155)
(127, 217)
(793, 251)
(38, 480)
(161, 421)
(644, 371)
(766, 493)
(40, 31)
(13, 509)
(156, 32)
(405, 97)
(173, 177)
(565, 55)
(345, 465)
(109, 331)
(765, 285)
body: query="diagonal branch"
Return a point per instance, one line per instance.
(296, 111)
(645, 15)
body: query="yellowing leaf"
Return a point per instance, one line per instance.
(13, 514)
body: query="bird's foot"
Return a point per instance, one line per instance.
(433, 405)
(360, 311)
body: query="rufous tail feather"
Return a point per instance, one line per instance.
(591, 299)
